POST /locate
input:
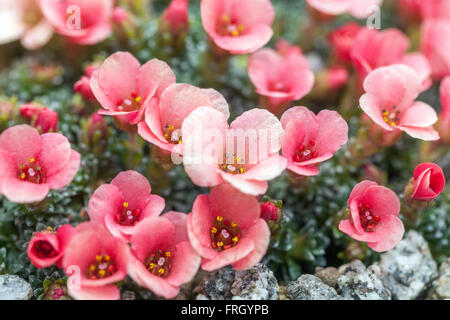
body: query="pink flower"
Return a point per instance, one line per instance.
(373, 49)
(32, 164)
(429, 182)
(373, 217)
(163, 119)
(444, 121)
(389, 102)
(176, 16)
(119, 15)
(435, 9)
(435, 46)
(269, 211)
(410, 9)
(357, 8)
(238, 26)
(94, 260)
(226, 228)
(23, 19)
(82, 21)
(125, 89)
(42, 118)
(163, 256)
(337, 77)
(281, 76)
(342, 40)
(309, 140)
(47, 247)
(83, 86)
(244, 154)
(123, 204)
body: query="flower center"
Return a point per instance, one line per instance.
(159, 263)
(277, 86)
(232, 164)
(102, 267)
(171, 134)
(127, 216)
(32, 172)
(230, 27)
(131, 104)
(391, 117)
(368, 219)
(44, 250)
(224, 235)
(305, 152)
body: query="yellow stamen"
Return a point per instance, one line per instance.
(107, 258)
(98, 258)
(241, 170)
(241, 28)
(92, 267)
(225, 18)
(235, 33)
(213, 230)
(22, 176)
(152, 265)
(32, 160)
(220, 244)
(138, 99)
(125, 204)
(234, 224)
(235, 239)
(168, 254)
(219, 218)
(161, 271)
(101, 273)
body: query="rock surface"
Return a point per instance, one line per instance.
(360, 283)
(408, 270)
(13, 287)
(328, 275)
(309, 287)
(257, 283)
(441, 286)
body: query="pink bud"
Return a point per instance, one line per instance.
(97, 123)
(269, 211)
(46, 120)
(119, 15)
(176, 15)
(429, 182)
(337, 77)
(83, 87)
(29, 110)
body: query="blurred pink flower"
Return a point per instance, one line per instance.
(282, 75)
(373, 217)
(435, 46)
(337, 77)
(82, 21)
(390, 102)
(23, 19)
(176, 17)
(121, 205)
(238, 26)
(94, 260)
(42, 118)
(164, 117)
(357, 8)
(125, 88)
(444, 117)
(212, 155)
(309, 140)
(83, 86)
(429, 182)
(342, 40)
(47, 247)
(225, 227)
(32, 164)
(163, 256)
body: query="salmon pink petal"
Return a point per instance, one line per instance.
(134, 186)
(23, 192)
(302, 115)
(202, 220)
(317, 160)
(110, 292)
(8, 167)
(255, 37)
(331, 7)
(36, 37)
(261, 11)
(65, 234)
(180, 99)
(420, 64)
(55, 152)
(360, 189)
(260, 67)
(259, 121)
(373, 109)
(107, 199)
(363, 8)
(333, 132)
(154, 206)
(203, 133)
(354, 212)
(302, 170)
(203, 250)
(348, 228)
(419, 115)
(153, 78)
(22, 142)
(260, 235)
(65, 176)
(229, 256)
(117, 76)
(151, 234)
(99, 94)
(390, 230)
(294, 135)
(179, 220)
(186, 263)
(251, 187)
(267, 169)
(426, 134)
(143, 277)
(229, 203)
(381, 201)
